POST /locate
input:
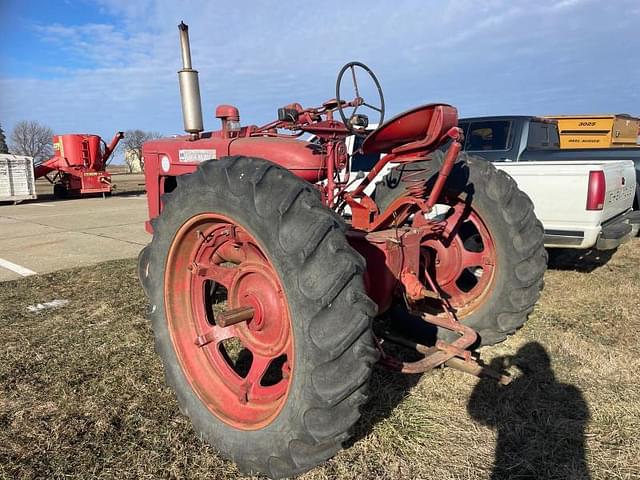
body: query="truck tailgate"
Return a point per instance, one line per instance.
(621, 185)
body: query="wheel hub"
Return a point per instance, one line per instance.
(255, 286)
(462, 259)
(446, 260)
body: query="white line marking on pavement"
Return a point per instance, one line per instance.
(20, 270)
(43, 204)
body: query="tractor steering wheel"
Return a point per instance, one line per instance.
(358, 101)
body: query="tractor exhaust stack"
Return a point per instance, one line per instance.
(189, 87)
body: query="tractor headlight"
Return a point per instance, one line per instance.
(165, 163)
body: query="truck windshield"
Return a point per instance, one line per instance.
(491, 135)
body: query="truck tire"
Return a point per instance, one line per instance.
(505, 215)
(296, 265)
(60, 192)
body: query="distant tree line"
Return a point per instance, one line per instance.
(33, 139)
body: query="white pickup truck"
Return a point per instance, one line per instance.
(581, 204)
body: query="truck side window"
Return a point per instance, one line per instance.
(542, 136)
(554, 137)
(493, 135)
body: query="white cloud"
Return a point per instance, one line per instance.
(567, 3)
(489, 57)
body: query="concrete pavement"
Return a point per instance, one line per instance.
(44, 236)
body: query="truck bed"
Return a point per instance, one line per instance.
(584, 154)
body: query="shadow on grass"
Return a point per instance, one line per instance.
(388, 388)
(540, 422)
(584, 261)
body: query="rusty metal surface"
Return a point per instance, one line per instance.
(436, 356)
(478, 370)
(235, 315)
(214, 259)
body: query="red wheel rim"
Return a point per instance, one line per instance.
(240, 372)
(462, 258)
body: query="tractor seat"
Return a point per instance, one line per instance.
(419, 129)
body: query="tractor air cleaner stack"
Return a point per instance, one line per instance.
(189, 87)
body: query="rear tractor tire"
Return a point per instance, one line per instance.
(491, 266)
(277, 393)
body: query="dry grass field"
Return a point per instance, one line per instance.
(82, 393)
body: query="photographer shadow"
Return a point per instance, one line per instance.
(540, 422)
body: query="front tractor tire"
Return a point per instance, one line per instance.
(277, 393)
(491, 262)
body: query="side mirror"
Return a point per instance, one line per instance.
(359, 175)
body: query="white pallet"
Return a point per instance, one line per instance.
(17, 181)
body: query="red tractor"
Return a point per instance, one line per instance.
(275, 281)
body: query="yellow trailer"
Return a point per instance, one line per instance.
(597, 131)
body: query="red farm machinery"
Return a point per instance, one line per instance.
(276, 282)
(78, 164)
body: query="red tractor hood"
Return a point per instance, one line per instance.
(304, 159)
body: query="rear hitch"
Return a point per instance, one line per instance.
(455, 355)
(442, 354)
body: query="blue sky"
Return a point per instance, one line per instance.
(104, 65)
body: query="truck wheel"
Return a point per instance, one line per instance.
(490, 260)
(279, 391)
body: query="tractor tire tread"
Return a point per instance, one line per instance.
(338, 343)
